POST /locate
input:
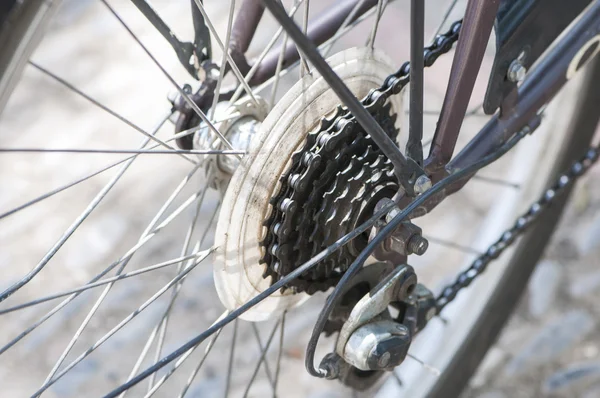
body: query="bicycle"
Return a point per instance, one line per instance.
(315, 198)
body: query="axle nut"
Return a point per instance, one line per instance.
(378, 345)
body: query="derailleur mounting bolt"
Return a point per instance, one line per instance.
(417, 245)
(422, 184)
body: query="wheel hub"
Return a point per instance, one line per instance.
(239, 123)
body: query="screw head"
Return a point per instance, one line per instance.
(422, 184)
(516, 71)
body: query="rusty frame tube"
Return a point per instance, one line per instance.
(245, 24)
(542, 84)
(320, 30)
(242, 32)
(474, 36)
(544, 81)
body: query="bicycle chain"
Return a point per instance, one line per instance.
(479, 265)
(314, 168)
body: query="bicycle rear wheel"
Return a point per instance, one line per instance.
(108, 325)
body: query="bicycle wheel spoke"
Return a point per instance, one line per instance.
(261, 348)
(106, 109)
(262, 358)
(96, 305)
(209, 347)
(79, 180)
(231, 359)
(275, 85)
(444, 19)
(496, 181)
(430, 368)
(327, 48)
(182, 359)
(99, 171)
(453, 245)
(141, 357)
(153, 334)
(304, 69)
(78, 221)
(279, 355)
(223, 60)
(263, 54)
(147, 235)
(135, 151)
(100, 283)
(225, 49)
(126, 320)
(235, 314)
(378, 14)
(163, 323)
(182, 92)
(341, 33)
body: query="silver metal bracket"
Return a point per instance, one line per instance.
(369, 328)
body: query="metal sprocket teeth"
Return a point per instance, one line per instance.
(345, 209)
(322, 177)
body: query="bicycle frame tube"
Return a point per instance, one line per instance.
(572, 51)
(320, 30)
(543, 82)
(474, 36)
(566, 57)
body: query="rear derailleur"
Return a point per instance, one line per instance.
(381, 311)
(372, 340)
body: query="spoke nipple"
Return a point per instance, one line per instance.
(422, 184)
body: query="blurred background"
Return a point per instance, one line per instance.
(550, 347)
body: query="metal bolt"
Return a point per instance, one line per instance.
(400, 330)
(516, 71)
(430, 313)
(417, 245)
(384, 361)
(422, 184)
(330, 366)
(393, 213)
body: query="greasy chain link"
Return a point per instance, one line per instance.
(520, 226)
(334, 135)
